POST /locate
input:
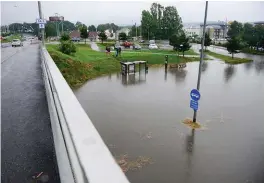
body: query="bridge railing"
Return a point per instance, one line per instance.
(81, 154)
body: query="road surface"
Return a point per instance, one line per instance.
(27, 142)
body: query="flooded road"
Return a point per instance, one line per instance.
(141, 116)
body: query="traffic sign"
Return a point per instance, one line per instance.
(41, 21)
(195, 95)
(42, 26)
(194, 105)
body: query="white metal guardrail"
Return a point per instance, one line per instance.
(82, 156)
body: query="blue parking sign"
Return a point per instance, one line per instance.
(194, 105)
(195, 95)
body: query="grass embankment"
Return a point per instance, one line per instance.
(10, 38)
(228, 59)
(87, 64)
(252, 51)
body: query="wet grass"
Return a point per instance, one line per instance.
(87, 64)
(126, 164)
(189, 122)
(228, 59)
(84, 65)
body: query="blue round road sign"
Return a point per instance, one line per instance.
(195, 94)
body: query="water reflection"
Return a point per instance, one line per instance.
(133, 79)
(204, 66)
(165, 75)
(180, 74)
(189, 143)
(248, 65)
(259, 66)
(229, 72)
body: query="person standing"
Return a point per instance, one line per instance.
(119, 50)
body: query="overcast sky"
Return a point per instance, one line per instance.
(124, 13)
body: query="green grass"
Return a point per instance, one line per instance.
(87, 64)
(10, 38)
(252, 51)
(162, 51)
(228, 59)
(84, 65)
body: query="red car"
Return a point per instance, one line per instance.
(127, 44)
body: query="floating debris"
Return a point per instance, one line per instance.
(190, 123)
(126, 164)
(147, 136)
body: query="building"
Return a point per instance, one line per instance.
(191, 31)
(259, 23)
(75, 35)
(215, 29)
(93, 36)
(125, 30)
(110, 34)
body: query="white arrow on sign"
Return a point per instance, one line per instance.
(42, 26)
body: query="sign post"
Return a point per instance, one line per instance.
(201, 60)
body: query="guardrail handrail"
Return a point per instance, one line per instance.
(75, 137)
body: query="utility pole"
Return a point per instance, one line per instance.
(136, 30)
(41, 17)
(201, 58)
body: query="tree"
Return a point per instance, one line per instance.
(78, 25)
(233, 45)
(180, 42)
(147, 24)
(50, 29)
(185, 45)
(207, 40)
(235, 29)
(84, 32)
(102, 36)
(122, 36)
(92, 28)
(103, 27)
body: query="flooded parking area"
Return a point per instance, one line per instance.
(141, 115)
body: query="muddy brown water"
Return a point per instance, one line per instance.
(141, 116)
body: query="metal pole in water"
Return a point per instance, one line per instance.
(201, 57)
(41, 17)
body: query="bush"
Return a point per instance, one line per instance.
(65, 37)
(67, 47)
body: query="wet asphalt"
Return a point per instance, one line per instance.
(27, 147)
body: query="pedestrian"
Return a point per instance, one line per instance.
(119, 50)
(107, 50)
(116, 49)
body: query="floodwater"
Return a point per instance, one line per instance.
(140, 115)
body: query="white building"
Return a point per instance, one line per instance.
(190, 31)
(125, 30)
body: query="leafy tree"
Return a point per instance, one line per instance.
(172, 23)
(207, 40)
(249, 36)
(67, 47)
(185, 45)
(78, 25)
(147, 24)
(180, 42)
(102, 36)
(92, 28)
(122, 36)
(233, 45)
(50, 29)
(103, 27)
(84, 32)
(235, 29)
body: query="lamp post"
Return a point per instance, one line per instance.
(201, 57)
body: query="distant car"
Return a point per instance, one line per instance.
(137, 47)
(153, 46)
(260, 49)
(76, 39)
(16, 42)
(151, 41)
(142, 41)
(127, 44)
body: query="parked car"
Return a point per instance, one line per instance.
(127, 44)
(153, 46)
(142, 41)
(76, 39)
(136, 47)
(151, 41)
(16, 42)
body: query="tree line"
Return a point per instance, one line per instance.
(160, 22)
